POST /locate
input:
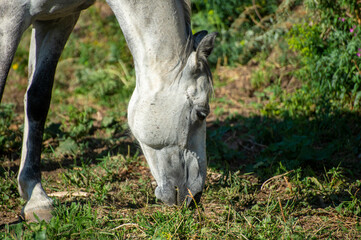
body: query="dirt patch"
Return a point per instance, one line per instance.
(10, 217)
(236, 88)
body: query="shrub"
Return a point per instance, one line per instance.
(329, 43)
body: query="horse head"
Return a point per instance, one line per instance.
(170, 126)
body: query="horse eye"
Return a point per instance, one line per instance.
(202, 112)
(201, 115)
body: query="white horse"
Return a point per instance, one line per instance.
(168, 107)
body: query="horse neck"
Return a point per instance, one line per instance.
(156, 33)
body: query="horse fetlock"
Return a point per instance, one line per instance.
(27, 183)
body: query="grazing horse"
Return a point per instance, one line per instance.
(167, 110)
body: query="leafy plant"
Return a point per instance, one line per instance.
(330, 45)
(109, 86)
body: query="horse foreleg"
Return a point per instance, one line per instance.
(47, 43)
(14, 20)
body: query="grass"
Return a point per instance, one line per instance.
(287, 168)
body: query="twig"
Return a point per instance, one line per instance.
(275, 177)
(229, 213)
(288, 184)
(358, 69)
(251, 141)
(256, 22)
(178, 226)
(69, 193)
(125, 224)
(255, 9)
(283, 215)
(247, 11)
(243, 236)
(195, 203)
(322, 227)
(247, 221)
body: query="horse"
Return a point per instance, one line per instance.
(167, 110)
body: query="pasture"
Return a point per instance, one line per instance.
(283, 136)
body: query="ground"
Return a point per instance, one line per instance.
(127, 196)
(103, 186)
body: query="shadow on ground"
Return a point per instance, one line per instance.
(268, 145)
(266, 152)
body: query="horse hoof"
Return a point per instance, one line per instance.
(38, 209)
(37, 215)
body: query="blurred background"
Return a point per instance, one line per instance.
(283, 138)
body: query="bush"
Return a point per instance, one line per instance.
(329, 43)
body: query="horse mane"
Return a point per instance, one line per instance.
(203, 62)
(189, 48)
(187, 11)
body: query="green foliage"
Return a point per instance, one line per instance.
(110, 85)
(8, 190)
(75, 221)
(180, 223)
(306, 39)
(353, 204)
(329, 43)
(80, 122)
(67, 147)
(263, 76)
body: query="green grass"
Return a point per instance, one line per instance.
(288, 169)
(234, 205)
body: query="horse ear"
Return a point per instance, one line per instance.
(197, 38)
(206, 45)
